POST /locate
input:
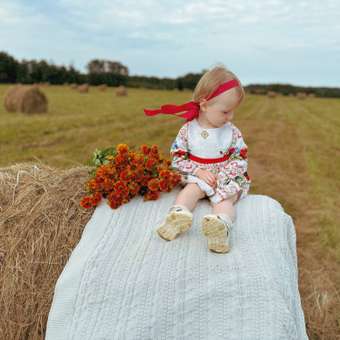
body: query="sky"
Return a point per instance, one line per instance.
(269, 41)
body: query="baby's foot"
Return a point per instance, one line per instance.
(217, 232)
(177, 221)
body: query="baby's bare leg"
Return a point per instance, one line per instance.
(226, 206)
(178, 222)
(190, 195)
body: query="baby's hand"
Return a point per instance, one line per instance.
(207, 177)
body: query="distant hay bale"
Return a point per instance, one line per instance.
(301, 95)
(271, 94)
(10, 99)
(102, 87)
(121, 91)
(73, 86)
(259, 91)
(26, 99)
(84, 88)
(311, 95)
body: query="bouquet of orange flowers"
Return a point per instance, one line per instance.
(120, 174)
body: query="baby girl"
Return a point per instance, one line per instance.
(211, 155)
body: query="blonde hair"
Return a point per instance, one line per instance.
(211, 79)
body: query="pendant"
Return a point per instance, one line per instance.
(204, 134)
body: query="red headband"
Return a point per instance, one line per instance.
(191, 108)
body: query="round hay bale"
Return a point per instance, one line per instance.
(37, 85)
(26, 99)
(102, 87)
(10, 98)
(301, 95)
(311, 95)
(41, 221)
(259, 91)
(73, 86)
(84, 88)
(121, 91)
(271, 94)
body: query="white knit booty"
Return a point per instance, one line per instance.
(177, 221)
(217, 228)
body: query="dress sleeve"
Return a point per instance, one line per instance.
(235, 173)
(179, 153)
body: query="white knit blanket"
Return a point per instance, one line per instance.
(123, 281)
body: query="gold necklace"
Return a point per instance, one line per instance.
(205, 134)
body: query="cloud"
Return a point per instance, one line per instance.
(171, 38)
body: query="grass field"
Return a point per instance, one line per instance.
(294, 157)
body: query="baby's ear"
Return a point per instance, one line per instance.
(203, 104)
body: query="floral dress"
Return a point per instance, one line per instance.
(220, 150)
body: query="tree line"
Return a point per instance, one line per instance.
(114, 73)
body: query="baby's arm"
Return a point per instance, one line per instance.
(179, 153)
(235, 173)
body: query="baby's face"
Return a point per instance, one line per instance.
(220, 109)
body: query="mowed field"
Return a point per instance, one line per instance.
(293, 150)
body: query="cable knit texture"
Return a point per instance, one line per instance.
(122, 281)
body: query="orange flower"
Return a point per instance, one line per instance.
(92, 184)
(114, 204)
(164, 174)
(96, 198)
(121, 187)
(110, 158)
(86, 202)
(151, 195)
(101, 170)
(163, 185)
(154, 151)
(107, 185)
(145, 179)
(175, 180)
(111, 170)
(125, 174)
(122, 148)
(114, 196)
(153, 184)
(119, 159)
(150, 163)
(145, 149)
(134, 188)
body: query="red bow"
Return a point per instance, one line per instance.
(192, 108)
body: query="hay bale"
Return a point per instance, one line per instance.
(84, 88)
(102, 87)
(73, 86)
(311, 95)
(259, 91)
(301, 95)
(121, 91)
(271, 94)
(26, 99)
(10, 98)
(41, 221)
